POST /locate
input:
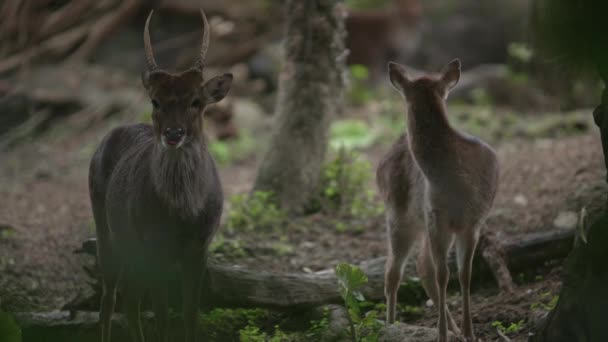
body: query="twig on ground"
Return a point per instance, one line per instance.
(502, 335)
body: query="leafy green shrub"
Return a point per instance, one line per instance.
(318, 327)
(224, 324)
(9, 330)
(511, 328)
(345, 189)
(350, 133)
(547, 302)
(228, 247)
(257, 211)
(359, 92)
(363, 328)
(252, 333)
(226, 152)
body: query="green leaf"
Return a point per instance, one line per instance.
(350, 277)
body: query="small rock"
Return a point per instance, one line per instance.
(520, 199)
(566, 220)
(429, 303)
(308, 245)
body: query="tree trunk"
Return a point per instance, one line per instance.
(310, 91)
(580, 314)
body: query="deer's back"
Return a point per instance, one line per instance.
(462, 177)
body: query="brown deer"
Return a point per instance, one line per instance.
(157, 198)
(438, 185)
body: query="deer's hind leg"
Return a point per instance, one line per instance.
(426, 271)
(132, 293)
(402, 234)
(109, 281)
(466, 243)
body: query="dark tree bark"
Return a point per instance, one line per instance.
(310, 92)
(580, 313)
(574, 34)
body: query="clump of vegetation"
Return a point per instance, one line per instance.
(350, 134)
(318, 327)
(363, 327)
(222, 246)
(546, 302)
(225, 324)
(359, 92)
(252, 333)
(366, 4)
(344, 190)
(230, 151)
(9, 330)
(411, 292)
(508, 329)
(255, 212)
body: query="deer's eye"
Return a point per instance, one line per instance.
(155, 104)
(196, 103)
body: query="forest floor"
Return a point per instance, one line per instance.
(45, 215)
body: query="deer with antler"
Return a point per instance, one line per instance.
(438, 185)
(157, 198)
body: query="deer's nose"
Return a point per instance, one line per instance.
(173, 134)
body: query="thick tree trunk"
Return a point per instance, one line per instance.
(310, 91)
(580, 314)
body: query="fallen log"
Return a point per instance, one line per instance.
(235, 286)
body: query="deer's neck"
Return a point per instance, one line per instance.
(179, 177)
(430, 133)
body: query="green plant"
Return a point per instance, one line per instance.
(252, 333)
(257, 211)
(546, 302)
(9, 330)
(225, 324)
(228, 247)
(317, 327)
(226, 152)
(350, 134)
(359, 92)
(363, 328)
(511, 328)
(344, 188)
(365, 4)
(520, 51)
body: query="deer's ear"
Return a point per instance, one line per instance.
(216, 88)
(398, 76)
(450, 74)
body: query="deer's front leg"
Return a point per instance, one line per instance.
(161, 309)
(192, 273)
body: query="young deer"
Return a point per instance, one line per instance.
(157, 198)
(438, 185)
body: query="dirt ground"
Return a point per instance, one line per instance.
(45, 215)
